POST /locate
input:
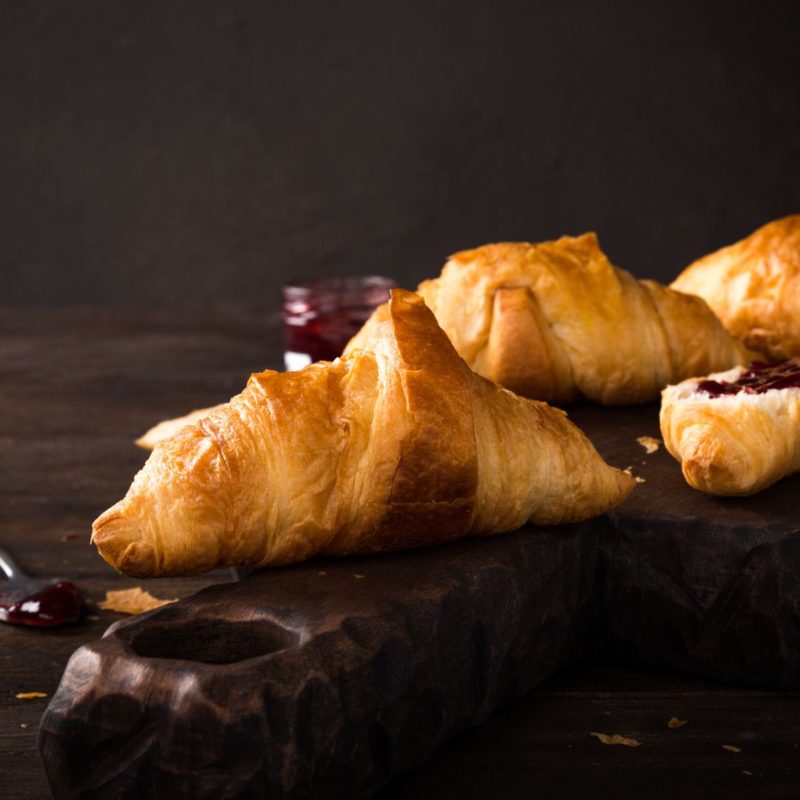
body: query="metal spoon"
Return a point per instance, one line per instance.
(35, 601)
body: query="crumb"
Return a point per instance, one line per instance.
(359, 576)
(606, 738)
(69, 537)
(674, 722)
(732, 747)
(629, 471)
(746, 772)
(30, 695)
(321, 572)
(650, 443)
(23, 724)
(132, 601)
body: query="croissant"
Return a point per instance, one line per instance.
(735, 432)
(557, 320)
(397, 444)
(754, 287)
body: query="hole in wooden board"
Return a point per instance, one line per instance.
(213, 640)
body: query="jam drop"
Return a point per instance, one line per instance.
(53, 604)
(758, 378)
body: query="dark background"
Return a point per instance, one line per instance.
(197, 152)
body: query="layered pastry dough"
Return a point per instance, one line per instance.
(397, 444)
(754, 287)
(557, 320)
(734, 443)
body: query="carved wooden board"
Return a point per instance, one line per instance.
(328, 678)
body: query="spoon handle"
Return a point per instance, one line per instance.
(9, 566)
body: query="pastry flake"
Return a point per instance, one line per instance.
(606, 738)
(132, 601)
(636, 478)
(169, 427)
(650, 444)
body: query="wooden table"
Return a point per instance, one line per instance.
(78, 385)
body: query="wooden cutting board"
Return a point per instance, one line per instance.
(328, 678)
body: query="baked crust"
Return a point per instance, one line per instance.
(169, 427)
(397, 444)
(557, 320)
(754, 287)
(735, 444)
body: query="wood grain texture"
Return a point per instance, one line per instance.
(541, 747)
(319, 685)
(79, 385)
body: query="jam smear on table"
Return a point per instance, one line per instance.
(53, 605)
(758, 378)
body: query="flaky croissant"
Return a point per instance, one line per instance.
(557, 320)
(397, 444)
(754, 287)
(741, 440)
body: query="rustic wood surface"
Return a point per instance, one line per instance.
(320, 680)
(78, 385)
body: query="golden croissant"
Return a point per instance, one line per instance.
(735, 432)
(557, 320)
(754, 287)
(397, 444)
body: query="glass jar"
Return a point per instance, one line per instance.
(321, 315)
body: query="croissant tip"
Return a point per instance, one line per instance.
(623, 483)
(717, 477)
(627, 483)
(144, 442)
(119, 541)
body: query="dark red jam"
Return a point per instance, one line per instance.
(758, 378)
(52, 605)
(321, 316)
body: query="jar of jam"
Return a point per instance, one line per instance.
(320, 315)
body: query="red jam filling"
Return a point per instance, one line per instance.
(758, 378)
(53, 605)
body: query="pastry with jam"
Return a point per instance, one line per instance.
(735, 432)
